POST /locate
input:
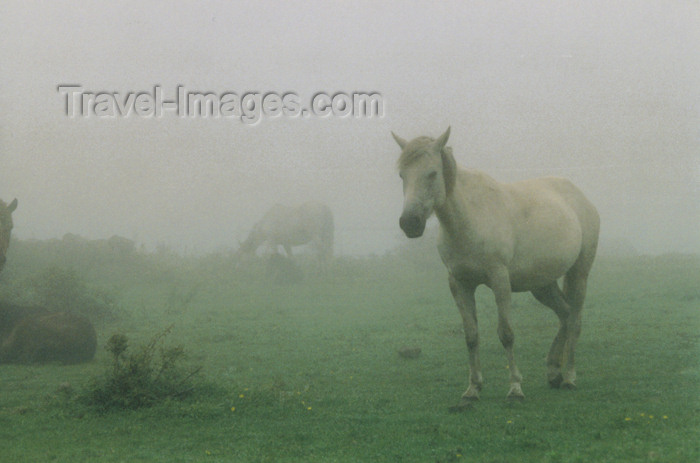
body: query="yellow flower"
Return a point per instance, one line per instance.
(628, 419)
(651, 417)
(233, 409)
(665, 417)
(308, 408)
(240, 396)
(641, 414)
(509, 421)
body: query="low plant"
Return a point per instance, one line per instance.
(142, 378)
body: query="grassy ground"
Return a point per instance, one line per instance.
(309, 372)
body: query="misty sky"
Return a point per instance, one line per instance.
(605, 93)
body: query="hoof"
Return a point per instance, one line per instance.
(569, 386)
(515, 393)
(471, 394)
(555, 382)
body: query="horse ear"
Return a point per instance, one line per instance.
(449, 169)
(442, 140)
(12, 206)
(402, 143)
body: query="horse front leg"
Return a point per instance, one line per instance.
(500, 285)
(464, 298)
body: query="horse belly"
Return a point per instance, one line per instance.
(285, 231)
(294, 237)
(545, 255)
(538, 273)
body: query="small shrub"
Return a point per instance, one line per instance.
(142, 378)
(60, 289)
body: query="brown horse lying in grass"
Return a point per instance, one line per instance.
(36, 335)
(521, 236)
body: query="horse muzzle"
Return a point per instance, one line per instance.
(412, 225)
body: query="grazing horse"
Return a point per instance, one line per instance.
(520, 236)
(5, 228)
(312, 222)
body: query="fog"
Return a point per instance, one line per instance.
(604, 93)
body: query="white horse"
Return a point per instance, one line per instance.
(5, 228)
(521, 236)
(312, 222)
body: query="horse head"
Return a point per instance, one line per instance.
(428, 171)
(5, 228)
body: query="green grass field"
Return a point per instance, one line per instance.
(309, 372)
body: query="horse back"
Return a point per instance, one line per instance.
(297, 226)
(318, 218)
(11, 314)
(558, 197)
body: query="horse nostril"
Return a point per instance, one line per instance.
(409, 222)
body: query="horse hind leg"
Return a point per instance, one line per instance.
(575, 282)
(552, 297)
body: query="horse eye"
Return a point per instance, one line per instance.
(432, 175)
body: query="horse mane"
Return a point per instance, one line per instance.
(415, 149)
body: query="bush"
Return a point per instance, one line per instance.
(141, 379)
(62, 290)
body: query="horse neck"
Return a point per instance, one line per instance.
(454, 214)
(255, 238)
